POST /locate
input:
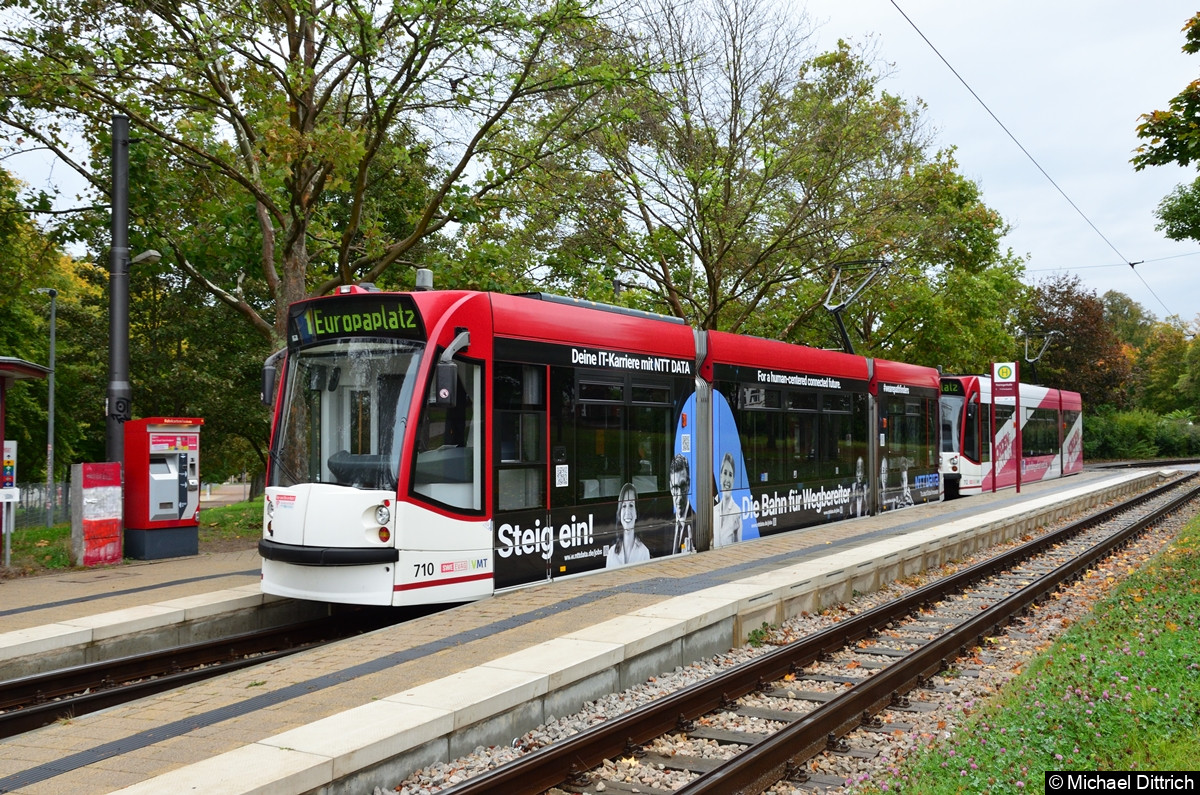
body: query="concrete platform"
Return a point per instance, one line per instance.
(366, 711)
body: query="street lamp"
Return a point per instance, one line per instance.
(50, 491)
(119, 398)
(119, 404)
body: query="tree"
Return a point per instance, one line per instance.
(1089, 357)
(1173, 136)
(1161, 366)
(310, 119)
(752, 169)
(1130, 321)
(29, 261)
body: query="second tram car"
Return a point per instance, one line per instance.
(437, 446)
(1051, 423)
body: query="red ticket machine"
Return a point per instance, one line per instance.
(162, 487)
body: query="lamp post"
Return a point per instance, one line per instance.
(118, 402)
(117, 399)
(51, 500)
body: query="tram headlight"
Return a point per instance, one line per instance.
(270, 509)
(383, 515)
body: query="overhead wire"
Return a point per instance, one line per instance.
(1125, 260)
(1113, 264)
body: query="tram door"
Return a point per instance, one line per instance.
(977, 432)
(524, 535)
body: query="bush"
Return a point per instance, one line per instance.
(1138, 434)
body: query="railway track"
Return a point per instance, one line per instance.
(30, 702)
(805, 697)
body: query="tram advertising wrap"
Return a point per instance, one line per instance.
(438, 446)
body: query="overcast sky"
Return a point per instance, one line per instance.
(1069, 80)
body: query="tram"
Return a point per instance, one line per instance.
(1051, 443)
(439, 446)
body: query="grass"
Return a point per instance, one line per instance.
(241, 521)
(1117, 691)
(38, 550)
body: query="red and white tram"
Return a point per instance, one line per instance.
(437, 446)
(1051, 435)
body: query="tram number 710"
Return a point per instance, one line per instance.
(423, 569)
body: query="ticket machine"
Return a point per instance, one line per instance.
(162, 487)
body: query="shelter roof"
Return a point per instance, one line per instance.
(18, 369)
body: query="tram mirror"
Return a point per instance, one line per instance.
(445, 385)
(268, 385)
(270, 373)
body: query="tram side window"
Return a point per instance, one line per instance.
(599, 421)
(766, 443)
(971, 435)
(803, 435)
(651, 420)
(910, 431)
(1039, 437)
(1068, 422)
(449, 461)
(931, 431)
(840, 426)
(519, 394)
(1003, 415)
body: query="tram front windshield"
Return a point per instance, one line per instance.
(345, 412)
(952, 411)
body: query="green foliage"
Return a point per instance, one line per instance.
(269, 167)
(735, 176)
(1172, 137)
(31, 261)
(241, 521)
(1119, 691)
(759, 635)
(1130, 321)
(37, 549)
(1138, 434)
(1172, 134)
(1179, 212)
(1161, 364)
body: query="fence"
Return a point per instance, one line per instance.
(31, 509)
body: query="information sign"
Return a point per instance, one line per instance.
(9, 478)
(1006, 383)
(1004, 379)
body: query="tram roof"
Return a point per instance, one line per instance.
(571, 322)
(728, 348)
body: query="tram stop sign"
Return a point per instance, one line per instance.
(1005, 378)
